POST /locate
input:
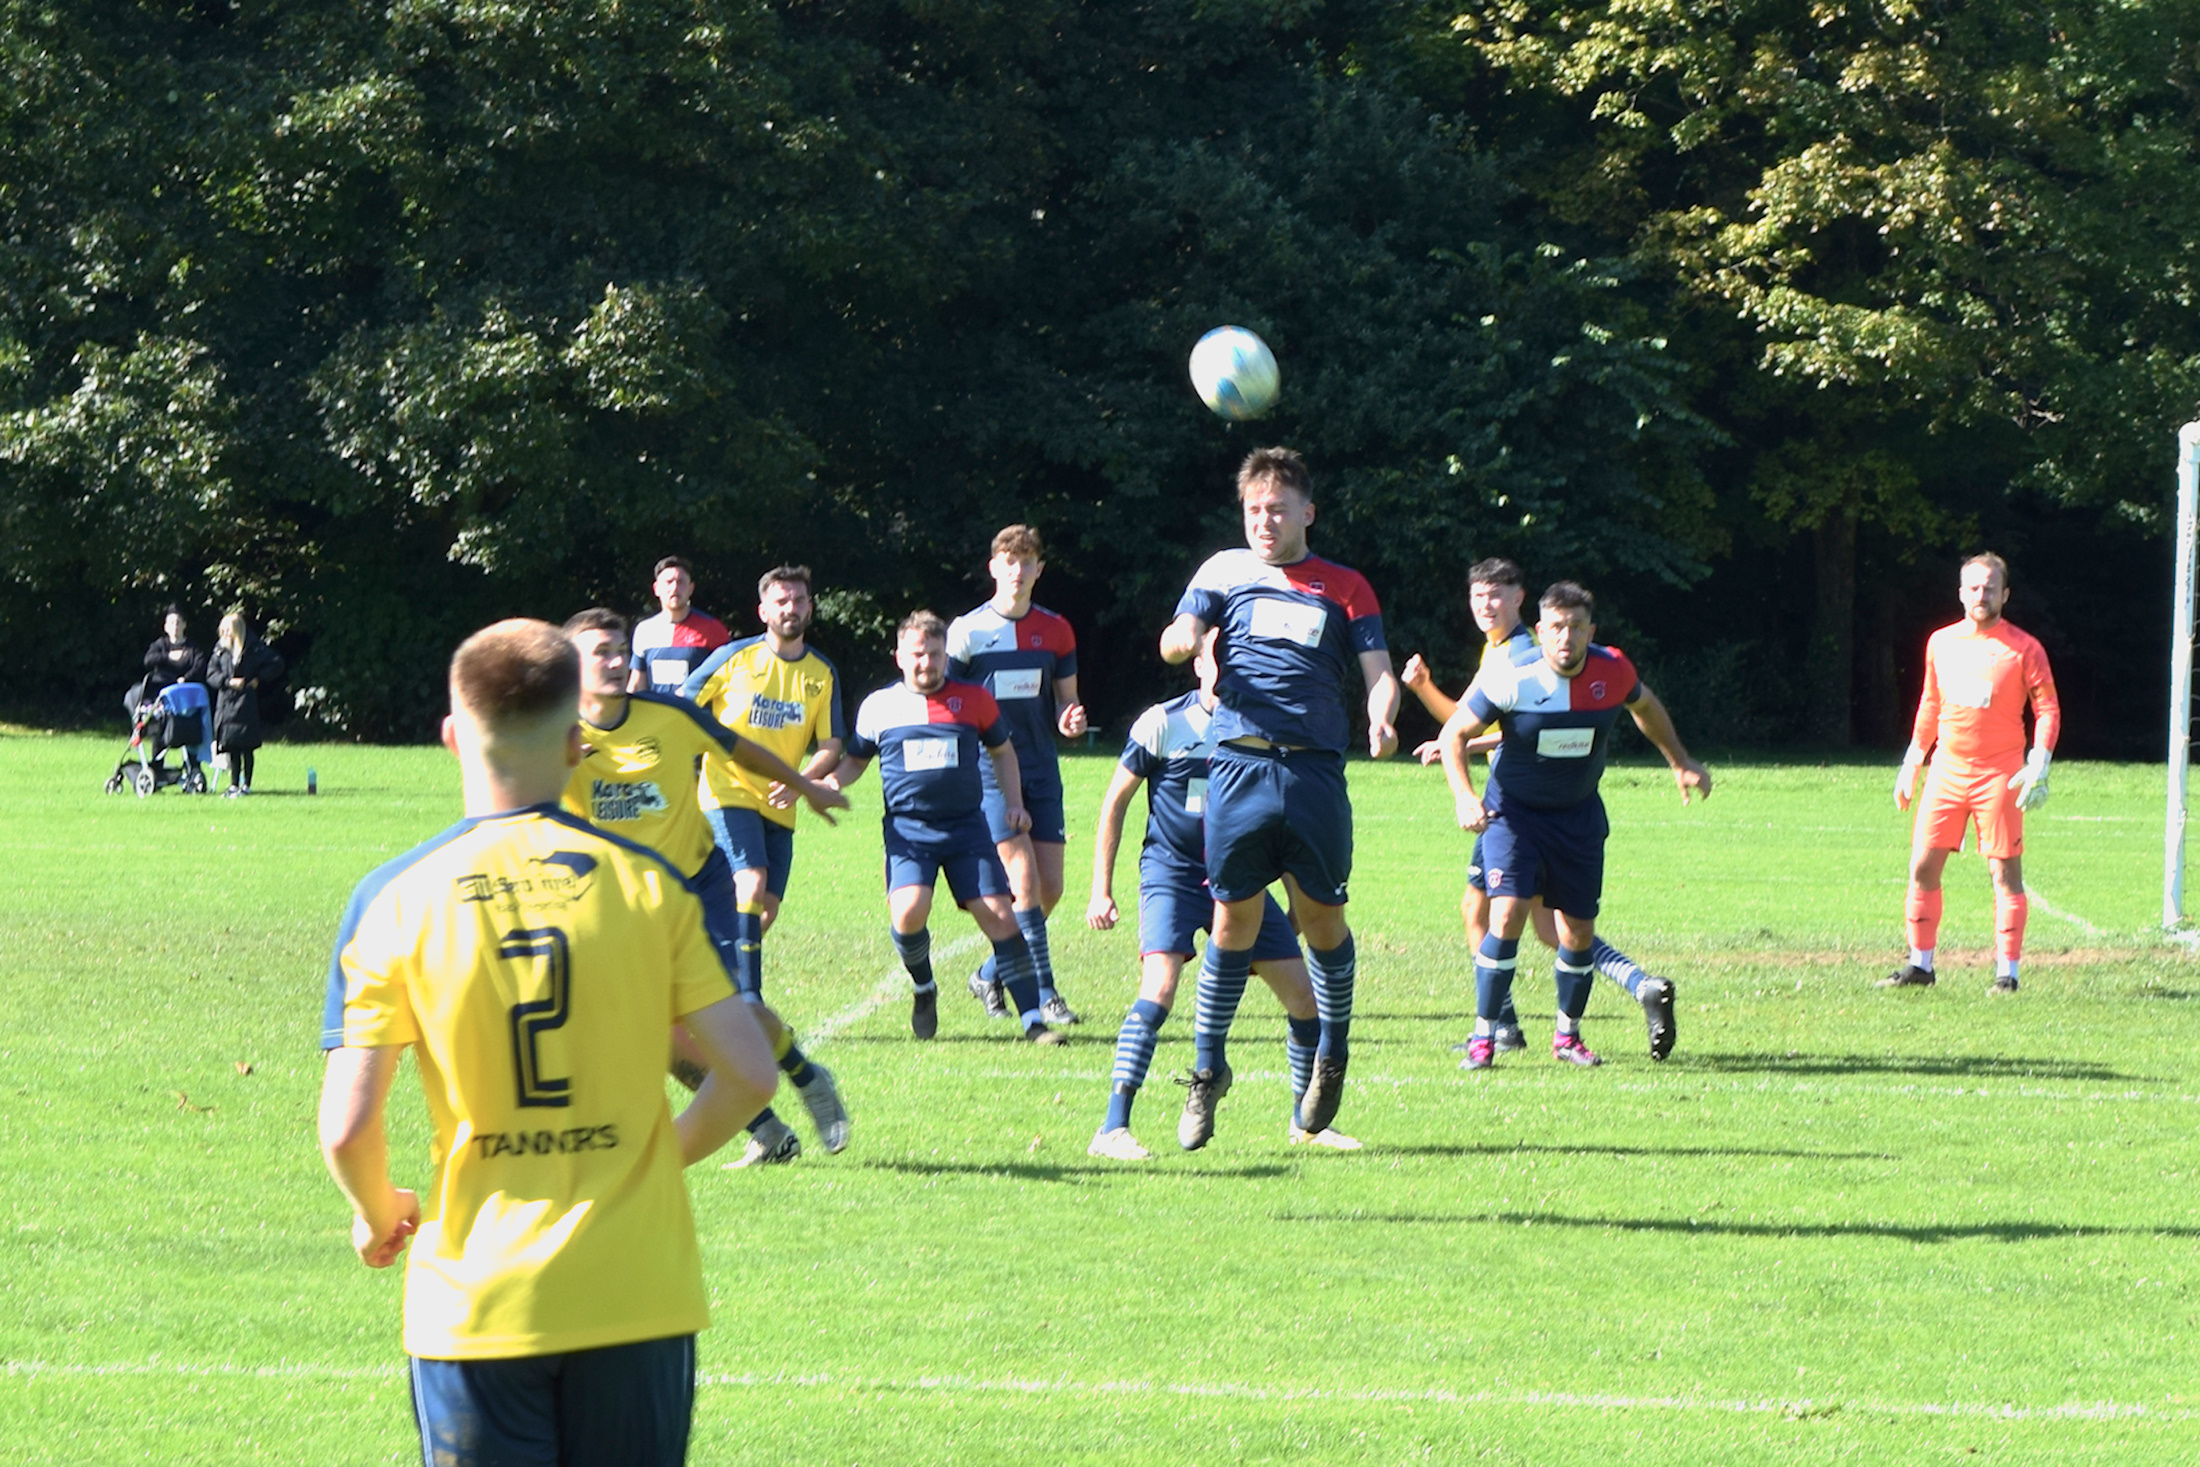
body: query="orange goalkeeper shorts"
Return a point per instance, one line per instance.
(1955, 796)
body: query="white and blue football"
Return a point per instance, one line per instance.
(1235, 373)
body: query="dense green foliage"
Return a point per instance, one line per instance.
(380, 321)
(1838, 1225)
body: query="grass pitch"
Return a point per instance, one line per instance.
(1838, 1225)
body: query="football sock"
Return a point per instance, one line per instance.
(1922, 957)
(2009, 915)
(1334, 972)
(2005, 968)
(748, 950)
(1299, 1040)
(1032, 923)
(1012, 960)
(1921, 912)
(1133, 1057)
(1575, 980)
(916, 955)
(1510, 1018)
(793, 1063)
(763, 1117)
(1485, 1028)
(1617, 966)
(1493, 977)
(1222, 977)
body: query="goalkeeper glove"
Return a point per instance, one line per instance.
(1905, 779)
(2030, 782)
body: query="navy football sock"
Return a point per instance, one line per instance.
(1032, 923)
(748, 952)
(1134, 1048)
(1493, 976)
(1222, 978)
(1012, 960)
(1300, 1038)
(1617, 966)
(1575, 979)
(916, 955)
(1334, 973)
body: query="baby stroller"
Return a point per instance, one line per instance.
(177, 717)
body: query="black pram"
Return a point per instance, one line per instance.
(175, 717)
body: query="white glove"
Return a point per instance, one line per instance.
(2030, 782)
(1905, 779)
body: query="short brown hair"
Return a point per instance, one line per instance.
(1993, 563)
(784, 574)
(1282, 466)
(515, 672)
(924, 620)
(595, 619)
(1020, 541)
(1496, 571)
(672, 562)
(1567, 596)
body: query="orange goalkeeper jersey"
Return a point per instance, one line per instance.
(1976, 686)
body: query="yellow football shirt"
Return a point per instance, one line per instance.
(639, 779)
(537, 966)
(787, 706)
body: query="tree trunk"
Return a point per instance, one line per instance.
(1831, 669)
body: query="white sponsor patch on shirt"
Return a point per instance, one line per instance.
(919, 755)
(1277, 620)
(1565, 743)
(1968, 690)
(1016, 682)
(668, 671)
(1195, 796)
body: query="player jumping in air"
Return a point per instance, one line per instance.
(536, 965)
(665, 646)
(1291, 623)
(1979, 675)
(927, 733)
(1026, 656)
(1542, 824)
(1169, 750)
(638, 780)
(1494, 594)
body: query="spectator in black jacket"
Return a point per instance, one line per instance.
(241, 663)
(173, 658)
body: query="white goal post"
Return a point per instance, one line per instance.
(2180, 675)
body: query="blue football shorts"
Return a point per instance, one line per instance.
(631, 1404)
(1272, 813)
(964, 851)
(1042, 802)
(1555, 854)
(1174, 906)
(752, 843)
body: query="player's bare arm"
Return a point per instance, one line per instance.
(1100, 912)
(1071, 720)
(1657, 726)
(1382, 704)
(740, 1077)
(846, 772)
(819, 765)
(1011, 780)
(1181, 639)
(1456, 738)
(355, 1089)
(821, 797)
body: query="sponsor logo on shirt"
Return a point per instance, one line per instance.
(1016, 682)
(643, 753)
(773, 713)
(545, 1143)
(921, 755)
(610, 803)
(556, 880)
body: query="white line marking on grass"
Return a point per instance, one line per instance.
(1196, 1390)
(893, 980)
(2052, 910)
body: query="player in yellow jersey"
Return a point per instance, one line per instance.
(638, 780)
(1494, 595)
(536, 966)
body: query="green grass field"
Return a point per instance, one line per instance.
(1839, 1225)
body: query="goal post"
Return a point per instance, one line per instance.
(2180, 675)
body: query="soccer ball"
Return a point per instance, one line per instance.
(1234, 372)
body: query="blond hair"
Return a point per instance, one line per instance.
(232, 632)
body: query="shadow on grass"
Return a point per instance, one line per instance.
(1499, 1148)
(1999, 1232)
(1964, 1066)
(1040, 1171)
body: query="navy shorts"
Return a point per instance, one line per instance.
(1555, 854)
(621, 1403)
(1475, 878)
(752, 843)
(1042, 802)
(1176, 906)
(964, 851)
(1272, 813)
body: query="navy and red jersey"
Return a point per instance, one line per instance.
(669, 650)
(1168, 748)
(928, 747)
(1018, 660)
(1289, 632)
(1557, 729)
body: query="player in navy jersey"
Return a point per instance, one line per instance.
(928, 734)
(1026, 657)
(1494, 594)
(681, 634)
(1542, 822)
(1169, 749)
(1291, 624)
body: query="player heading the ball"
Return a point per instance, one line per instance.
(1980, 673)
(1290, 624)
(536, 965)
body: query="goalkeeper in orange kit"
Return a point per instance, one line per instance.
(1979, 675)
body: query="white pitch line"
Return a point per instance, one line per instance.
(2054, 911)
(893, 980)
(1199, 1390)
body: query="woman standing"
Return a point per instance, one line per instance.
(241, 662)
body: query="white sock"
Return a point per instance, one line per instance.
(1568, 1025)
(1482, 1027)
(1922, 957)
(2005, 967)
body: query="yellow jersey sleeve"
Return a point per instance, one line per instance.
(638, 780)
